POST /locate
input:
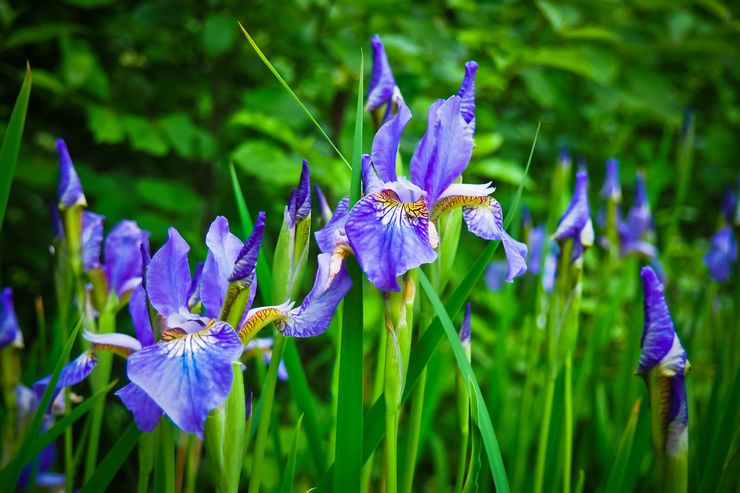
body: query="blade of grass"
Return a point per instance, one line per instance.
(12, 142)
(12, 472)
(488, 434)
(287, 486)
(427, 345)
(109, 466)
(290, 91)
(349, 456)
(615, 482)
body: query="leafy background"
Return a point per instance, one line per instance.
(156, 98)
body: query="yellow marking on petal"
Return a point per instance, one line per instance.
(120, 351)
(388, 199)
(257, 321)
(454, 201)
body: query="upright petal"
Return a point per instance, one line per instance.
(467, 93)
(445, 149)
(72, 373)
(303, 194)
(70, 188)
(168, 276)
(334, 232)
(318, 307)
(386, 142)
(612, 189)
(382, 84)
(389, 237)
(10, 331)
(722, 254)
(140, 316)
(371, 181)
(91, 238)
(659, 342)
(123, 266)
(638, 225)
(223, 250)
(188, 375)
(146, 412)
(576, 223)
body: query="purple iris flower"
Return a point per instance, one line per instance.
(382, 91)
(391, 230)
(10, 331)
(535, 245)
(187, 372)
(637, 232)
(663, 353)
(70, 189)
(722, 254)
(576, 223)
(91, 238)
(612, 190)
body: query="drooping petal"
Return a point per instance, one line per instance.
(123, 266)
(91, 239)
(576, 223)
(70, 189)
(168, 275)
(140, 316)
(121, 344)
(386, 141)
(467, 93)
(389, 237)
(223, 250)
(10, 331)
(146, 412)
(445, 149)
(334, 232)
(188, 375)
(72, 373)
(318, 307)
(535, 246)
(382, 84)
(495, 275)
(722, 254)
(659, 342)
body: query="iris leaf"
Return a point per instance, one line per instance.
(12, 143)
(287, 486)
(615, 482)
(108, 468)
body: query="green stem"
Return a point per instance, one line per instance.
(391, 456)
(414, 426)
(568, 443)
(462, 462)
(367, 469)
(268, 396)
(539, 474)
(146, 461)
(168, 455)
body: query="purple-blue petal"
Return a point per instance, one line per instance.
(10, 331)
(575, 218)
(467, 93)
(246, 261)
(223, 250)
(188, 375)
(445, 149)
(465, 327)
(139, 311)
(386, 142)
(168, 276)
(146, 412)
(73, 373)
(639, 222)
(315, 313)
(303, 194)
(382, 84)
(722, 254)
(495, 275)
(91, 239)
(535, 246)
(371, 182)
(612, 188)
(550, 269)
(487, 222)
(389, 237)
(70, 189)
(334, 231)
(123, 265)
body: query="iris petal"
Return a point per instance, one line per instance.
(188, 375)
(168, 275)
(146, 412)
(382, 84)
(445, 149)
(140, 316)
(10, 332)
(389, 237)
(386, 141)
(334, 232)
(467, 93)
(123, 266)
(722, 254)
(118, 343)
(91, 239)
(70, 188)
(72, 373)
(223, 250)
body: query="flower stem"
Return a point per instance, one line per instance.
(539, 474)
(568, 442)
(268, 396)
(391, 456)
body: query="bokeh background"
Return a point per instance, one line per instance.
(156, 98)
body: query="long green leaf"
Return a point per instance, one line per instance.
(425, 348)
(615, 482)
(13, 470)
(290, 91)
(349, 456)
(287, 486)
(108, 468)
(12, 143)
(488, 435)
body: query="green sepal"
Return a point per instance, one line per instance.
(393, 373)
(224, 435)
(99, 283)
(72, 218)
(282, 261)
(302, 237)
(235, 304)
